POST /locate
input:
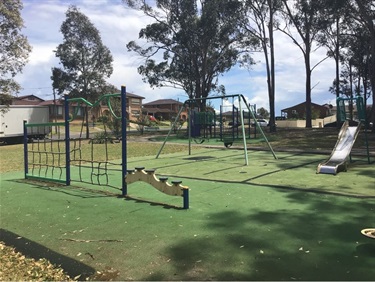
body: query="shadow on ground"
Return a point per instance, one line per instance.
(321, 240)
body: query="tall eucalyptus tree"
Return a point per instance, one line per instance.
(260, 22)
(85, 60)
(190, 44)
(308, 19)
(14, 49)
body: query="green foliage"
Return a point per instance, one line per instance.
(263, 112)
(197, 44)
(113, 123)
(86, 61)
(14, 48)
(5, 99)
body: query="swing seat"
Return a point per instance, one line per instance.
(228, 142)
(199, 140)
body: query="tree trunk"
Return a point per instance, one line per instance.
(372, 80)
(272, 83)
(337, 58)
(308, 88)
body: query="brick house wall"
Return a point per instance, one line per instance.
(299, 111)
(165, 109)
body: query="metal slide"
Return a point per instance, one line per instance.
(338, 160)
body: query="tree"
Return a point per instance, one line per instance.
(356, 60)
(86, 61)
(262, 112)
(363, 14)
(331, 37)
(14, 49)
(190, 45)
(309, 19)
(262, 13)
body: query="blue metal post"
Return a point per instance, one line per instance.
(221, 123)
(233, 128)
(25, 153)
(67, 140)
(186, 198)
(123, 139)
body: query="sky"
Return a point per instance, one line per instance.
(119, 24)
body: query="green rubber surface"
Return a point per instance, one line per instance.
(271, 220)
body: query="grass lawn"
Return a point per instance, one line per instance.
(271, 220)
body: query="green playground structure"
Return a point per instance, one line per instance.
(51, 159)
(338, 159)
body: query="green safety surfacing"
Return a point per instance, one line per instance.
(270, 220)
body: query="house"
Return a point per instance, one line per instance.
(27, 100)
(56, 107)
(299, 111)
(133, 105)
(165, 109)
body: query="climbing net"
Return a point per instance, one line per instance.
(45, 152)
(91, 146)
(96, 160)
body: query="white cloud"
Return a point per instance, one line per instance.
(118, 25)
(41, 54)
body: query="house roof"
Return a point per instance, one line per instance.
(50, 102)
(301, 104)
(26, 100)
(163, 102)
(28, 97)
(134, 95)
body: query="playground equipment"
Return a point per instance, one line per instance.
(337, 161)
(241, 99)
(161, 184)
(369, 232)
(52, 159)
(202, 124)
(230, 132)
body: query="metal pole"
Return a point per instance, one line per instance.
(170, 131)
(189, 129)
(25, 152)
(67, 140)
(243, 131)
(186, 198)
(260, 129)
(123, 140)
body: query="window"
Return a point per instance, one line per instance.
(79, 111)
(59, 110)
(136, 101)
(135, 113)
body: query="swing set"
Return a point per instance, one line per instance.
(199, 120)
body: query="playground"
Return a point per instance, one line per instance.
(271, 220)
(258, 217)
